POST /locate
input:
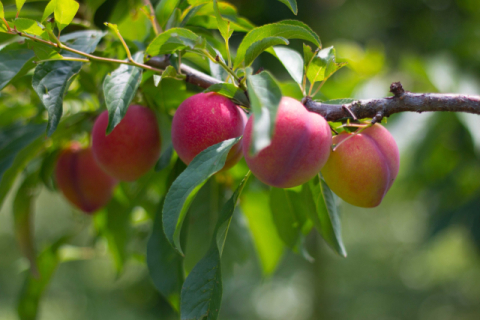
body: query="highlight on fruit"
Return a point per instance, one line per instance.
(299, 149)
(206, 119)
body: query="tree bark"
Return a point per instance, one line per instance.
(193, 76)
(401, 101)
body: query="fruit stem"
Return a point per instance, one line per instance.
(358, 131)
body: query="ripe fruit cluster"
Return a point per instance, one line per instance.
(87, 176)
(360, 170)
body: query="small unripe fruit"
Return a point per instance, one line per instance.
(300, 147)
(206, 119)
(81, 180)
(362, 169)
(133, 146)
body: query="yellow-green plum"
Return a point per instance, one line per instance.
(81, 180)
(133, 146)
(362, 169)
(203, 120)
(299, 148)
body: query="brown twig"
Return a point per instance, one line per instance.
(402, 101)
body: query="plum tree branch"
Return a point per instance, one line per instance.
(376, 109)
(193, 76)
(402, 101)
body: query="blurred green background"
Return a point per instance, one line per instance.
(416, 256)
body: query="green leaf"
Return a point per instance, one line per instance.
(230, 91)
(165, 159)
(164, 10)
(156, 80)
(34, 287)
(169, 72)
(268, 244)
(31, 27)
(308, 55)
(47, 168)
(18, 144)
(258, 47)
(19, 4)
(292, 61)
(287, 214)
(136, 26)
(49, 9)
(195, 3)
(323, 65)
(119, 89)
(23, 218)
(291, 4)
(114, 225)
(64, 12)
(188, 14)
(12, 59)
(202, 290)
(288, 29)
(185, 187)
(85, 41)
(265, 96)
(164, 263)
(216, 70)
(172, 40)
(175, 19)
(207, 8)
(44, 52)
(52, 79)
(223, 26)
(326, 219)
(204, 16)
(2, 12)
